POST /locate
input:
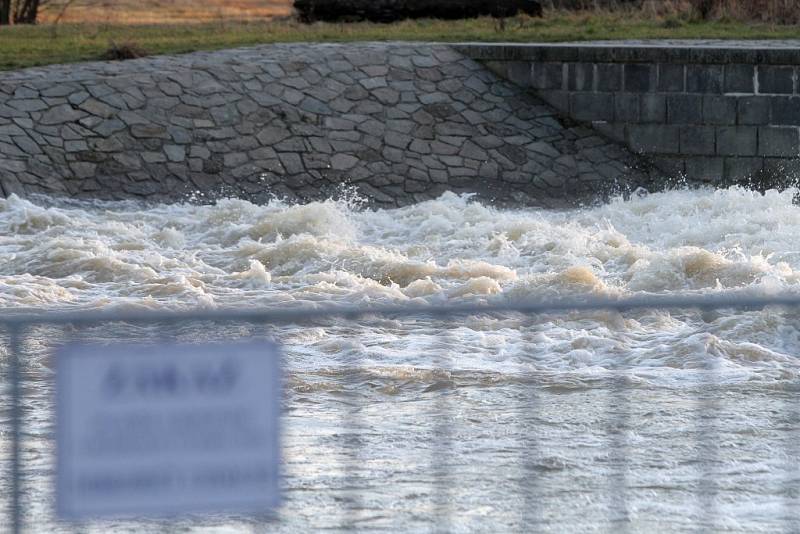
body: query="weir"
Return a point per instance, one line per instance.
(449, 365)
(545, 125)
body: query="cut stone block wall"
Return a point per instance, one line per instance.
(715, 111)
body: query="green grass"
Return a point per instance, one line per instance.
(22, 46)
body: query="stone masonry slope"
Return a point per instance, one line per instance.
(400, 122)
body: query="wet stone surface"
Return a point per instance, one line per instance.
(400, 122)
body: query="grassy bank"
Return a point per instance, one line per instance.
(22, 46)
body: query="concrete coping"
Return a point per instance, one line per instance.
(777, 52)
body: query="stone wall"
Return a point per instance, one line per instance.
(400, 122)
(716, 111)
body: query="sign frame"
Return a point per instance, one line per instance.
(262, 361)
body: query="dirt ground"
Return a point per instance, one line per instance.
(162, 11)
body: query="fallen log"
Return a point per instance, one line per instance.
(393, 10)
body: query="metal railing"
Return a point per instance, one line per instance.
(17, 324)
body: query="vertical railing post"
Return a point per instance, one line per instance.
(443, 433)
(792, 451)
(15, 377)
(708, 409)
(354, 440)
(791, 447)
(531, 514)
(619, 453)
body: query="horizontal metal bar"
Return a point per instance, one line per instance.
(704, 302)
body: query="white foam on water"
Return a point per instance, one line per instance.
(235, 253)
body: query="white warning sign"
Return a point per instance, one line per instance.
(166, 429)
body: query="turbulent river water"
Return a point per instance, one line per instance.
(654, 421)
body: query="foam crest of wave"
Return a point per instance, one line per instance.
(235, 253)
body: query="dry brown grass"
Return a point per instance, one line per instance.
(784, 12)
(163, 11)
(24, 45)
(775, 11)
